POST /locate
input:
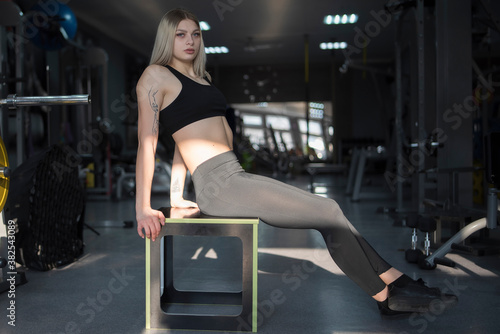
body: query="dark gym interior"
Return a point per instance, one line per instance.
(389, 107)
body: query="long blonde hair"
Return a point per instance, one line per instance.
(163, 48)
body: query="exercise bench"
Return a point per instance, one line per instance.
(360, 159)
(174, 305)
(316, 168)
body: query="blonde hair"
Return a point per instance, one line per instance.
(163, 48)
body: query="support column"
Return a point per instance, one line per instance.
(4, 121)
(341, 109)
(421, 99)
(454, 100)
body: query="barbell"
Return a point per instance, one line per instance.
(13, 102)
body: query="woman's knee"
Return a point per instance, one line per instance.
(337, 215)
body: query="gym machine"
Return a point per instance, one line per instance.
(8, 268)
(490, 222)
(426, 142)
(12, 17)
(408, 52)
(429, 261)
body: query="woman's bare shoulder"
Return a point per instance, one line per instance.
(155, 76)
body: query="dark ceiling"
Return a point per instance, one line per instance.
(268, 32)
(255, 31)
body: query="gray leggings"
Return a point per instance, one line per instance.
(223, 188)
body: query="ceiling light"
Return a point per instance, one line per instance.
(216, 50)
(333, 45)
(316, 113)
(340, 19)
(316, 105)
(204, 26)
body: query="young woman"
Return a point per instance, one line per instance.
(175, 93)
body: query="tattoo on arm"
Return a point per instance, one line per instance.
(176, 187)
(154, 107)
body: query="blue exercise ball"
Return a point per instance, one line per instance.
(50, 25)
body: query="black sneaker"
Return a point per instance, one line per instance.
(418, 297)
(387, 312)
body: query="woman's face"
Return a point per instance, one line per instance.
(187, 41)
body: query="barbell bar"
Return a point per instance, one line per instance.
(13, 101)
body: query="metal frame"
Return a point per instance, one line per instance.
(157, 305)
(490, 222)
(13, 101)
(421, 109)
(360, 157)
(453, 87)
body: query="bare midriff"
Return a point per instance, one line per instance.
(202, 140)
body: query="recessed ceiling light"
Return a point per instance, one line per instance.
(333, 45)
(216, 49)
(340, 19)
(204, 26)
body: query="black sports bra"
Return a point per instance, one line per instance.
(195, 102)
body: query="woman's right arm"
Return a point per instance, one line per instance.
(178, 178)
(149, 98)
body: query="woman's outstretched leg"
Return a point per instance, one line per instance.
(223, 188)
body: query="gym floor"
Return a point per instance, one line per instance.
(104, 291)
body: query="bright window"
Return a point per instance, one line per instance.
(278, 122)
(317, 144)
(256, 136)
(314, 127)
(287, 139)
(252, 120)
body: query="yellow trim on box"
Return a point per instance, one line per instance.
(254, 222)
(255, 275)
(211, 221)
(148, 286)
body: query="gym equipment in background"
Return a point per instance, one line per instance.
(33, 245)
(412, 254)
(492, 170)
(47, 203)
(13, 101)
(427, 225)
(9, 13)
(51, 25)
(6, 264)
(4, 174)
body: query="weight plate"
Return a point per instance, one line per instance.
(4, 180)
